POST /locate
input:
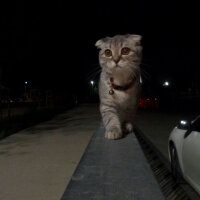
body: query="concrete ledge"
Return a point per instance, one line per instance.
(113, 170)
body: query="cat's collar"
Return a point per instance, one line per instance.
(118, 87)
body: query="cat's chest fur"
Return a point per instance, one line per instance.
(122, 98)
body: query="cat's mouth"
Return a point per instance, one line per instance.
(117, 69)
(117, 66)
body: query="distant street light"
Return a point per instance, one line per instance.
(25, 85)
(166, 84)
(92, 83)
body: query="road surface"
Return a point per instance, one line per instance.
(157, 125)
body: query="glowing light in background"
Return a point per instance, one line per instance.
(140, 79)
(183, 122)
(166, 84)
(92, 83)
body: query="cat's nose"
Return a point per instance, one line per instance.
(116, 60)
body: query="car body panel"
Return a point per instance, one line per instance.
(187, 144)
(177, 136)
(191, 159)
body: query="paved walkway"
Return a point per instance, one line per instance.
(113, 170)
(37, 163)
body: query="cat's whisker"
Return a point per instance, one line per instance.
(93, 70)
(144, 64)
(93, 75)
(96, 69)
(95, 64)
(145, 74)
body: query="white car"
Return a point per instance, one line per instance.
(184, 152)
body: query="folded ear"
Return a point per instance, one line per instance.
(136, 38)
(99, 44)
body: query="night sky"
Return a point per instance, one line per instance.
(51, 44)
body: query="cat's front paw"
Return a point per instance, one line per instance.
(113, 134)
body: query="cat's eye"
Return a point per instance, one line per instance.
(108, 52)
(125, 51)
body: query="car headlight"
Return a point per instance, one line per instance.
(184, 125)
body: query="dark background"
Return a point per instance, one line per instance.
(51, 44)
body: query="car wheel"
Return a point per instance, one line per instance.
(175, 166)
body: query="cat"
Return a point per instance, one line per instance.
(119, 85)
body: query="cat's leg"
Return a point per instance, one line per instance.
(111, 122)
(128, 127)
(128, 120)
